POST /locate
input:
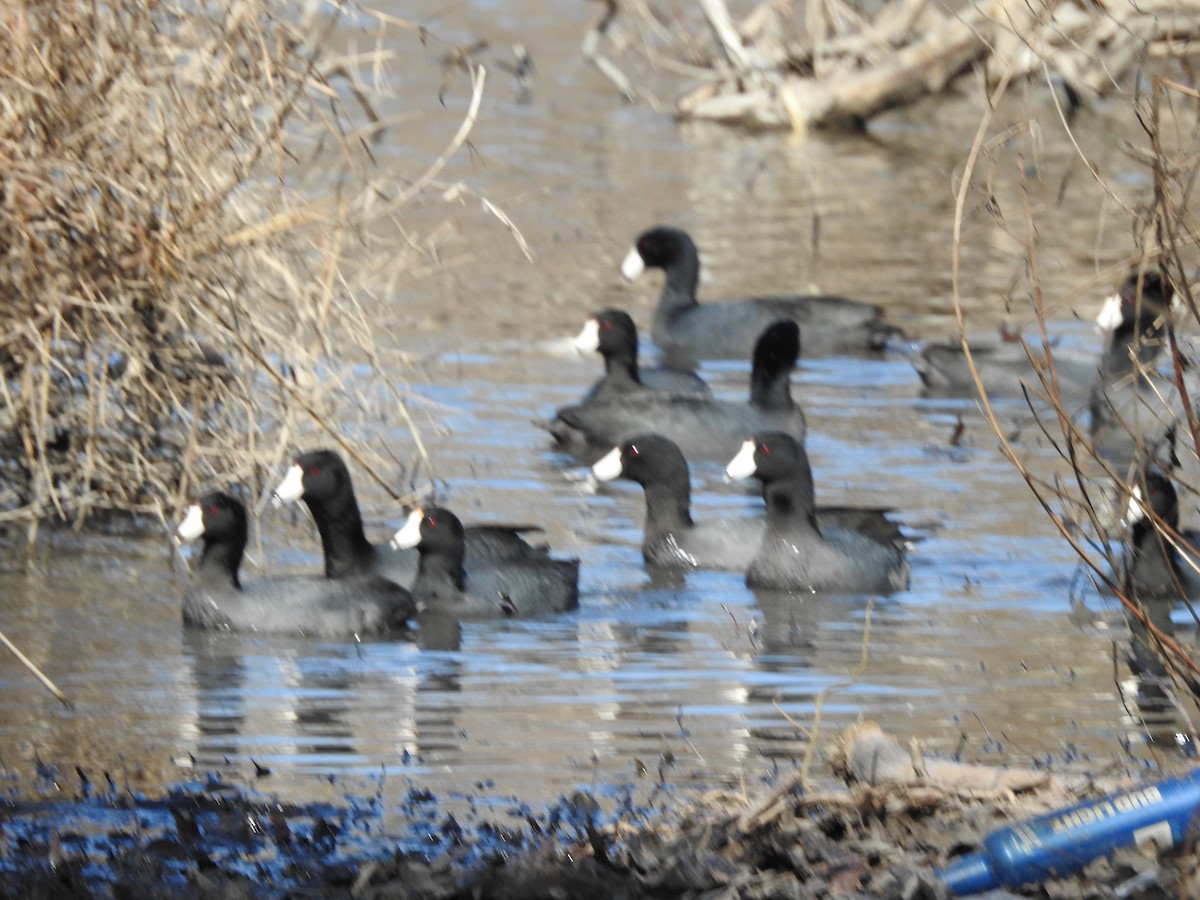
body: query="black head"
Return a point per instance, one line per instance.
(224, 519)
(1158, 495)
(777, 456)
(774, 458)
(781, 464)
(616, 332)
(777, 348)
(648, 459)
(1144, 308)
(219, 520)
(661, 246)
(324, 474)
(433, 529)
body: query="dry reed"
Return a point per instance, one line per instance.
(1085, 496)
(173, 291)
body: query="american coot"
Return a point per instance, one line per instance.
(320, 478)
(1158, 569)
(612, 334)
(1005, 367)
(863, 553)
(362, 605)
(1130, 407)
(1155, 566)
(688, 330)
(669, 536)
(514, 587)
(703, 429)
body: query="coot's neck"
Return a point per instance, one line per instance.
(668, 504)
(771, 364)
(770, 387)
(683, 274)
(347, 550)
(1141, 536)
(438, 569)
(621, 369)
(219, 563)
(1144, 334)
(1152, 560)
(790, 506)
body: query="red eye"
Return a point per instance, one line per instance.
(606, 325)
(633, 450)
(212, 510)
(764, 449)
(314, 470)
(431, 521)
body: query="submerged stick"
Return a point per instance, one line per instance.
(28, 663)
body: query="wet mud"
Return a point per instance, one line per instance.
(71, 837)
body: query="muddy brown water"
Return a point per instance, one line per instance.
(693, 674)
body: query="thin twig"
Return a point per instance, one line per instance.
(38, 673)
(478, 77)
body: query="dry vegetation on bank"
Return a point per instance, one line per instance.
(181, 191)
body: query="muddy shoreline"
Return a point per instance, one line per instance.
(67, 835)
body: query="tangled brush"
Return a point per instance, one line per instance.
(171, 288)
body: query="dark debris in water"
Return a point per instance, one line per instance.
(217, 840)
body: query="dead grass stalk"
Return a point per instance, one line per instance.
(184, 191)
(1107, 460)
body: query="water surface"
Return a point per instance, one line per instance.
(689, 677)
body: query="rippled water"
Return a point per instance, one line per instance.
(694, 675)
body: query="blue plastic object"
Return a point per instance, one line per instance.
(1064, 841)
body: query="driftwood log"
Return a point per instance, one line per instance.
(838, 67)
(866, 754)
